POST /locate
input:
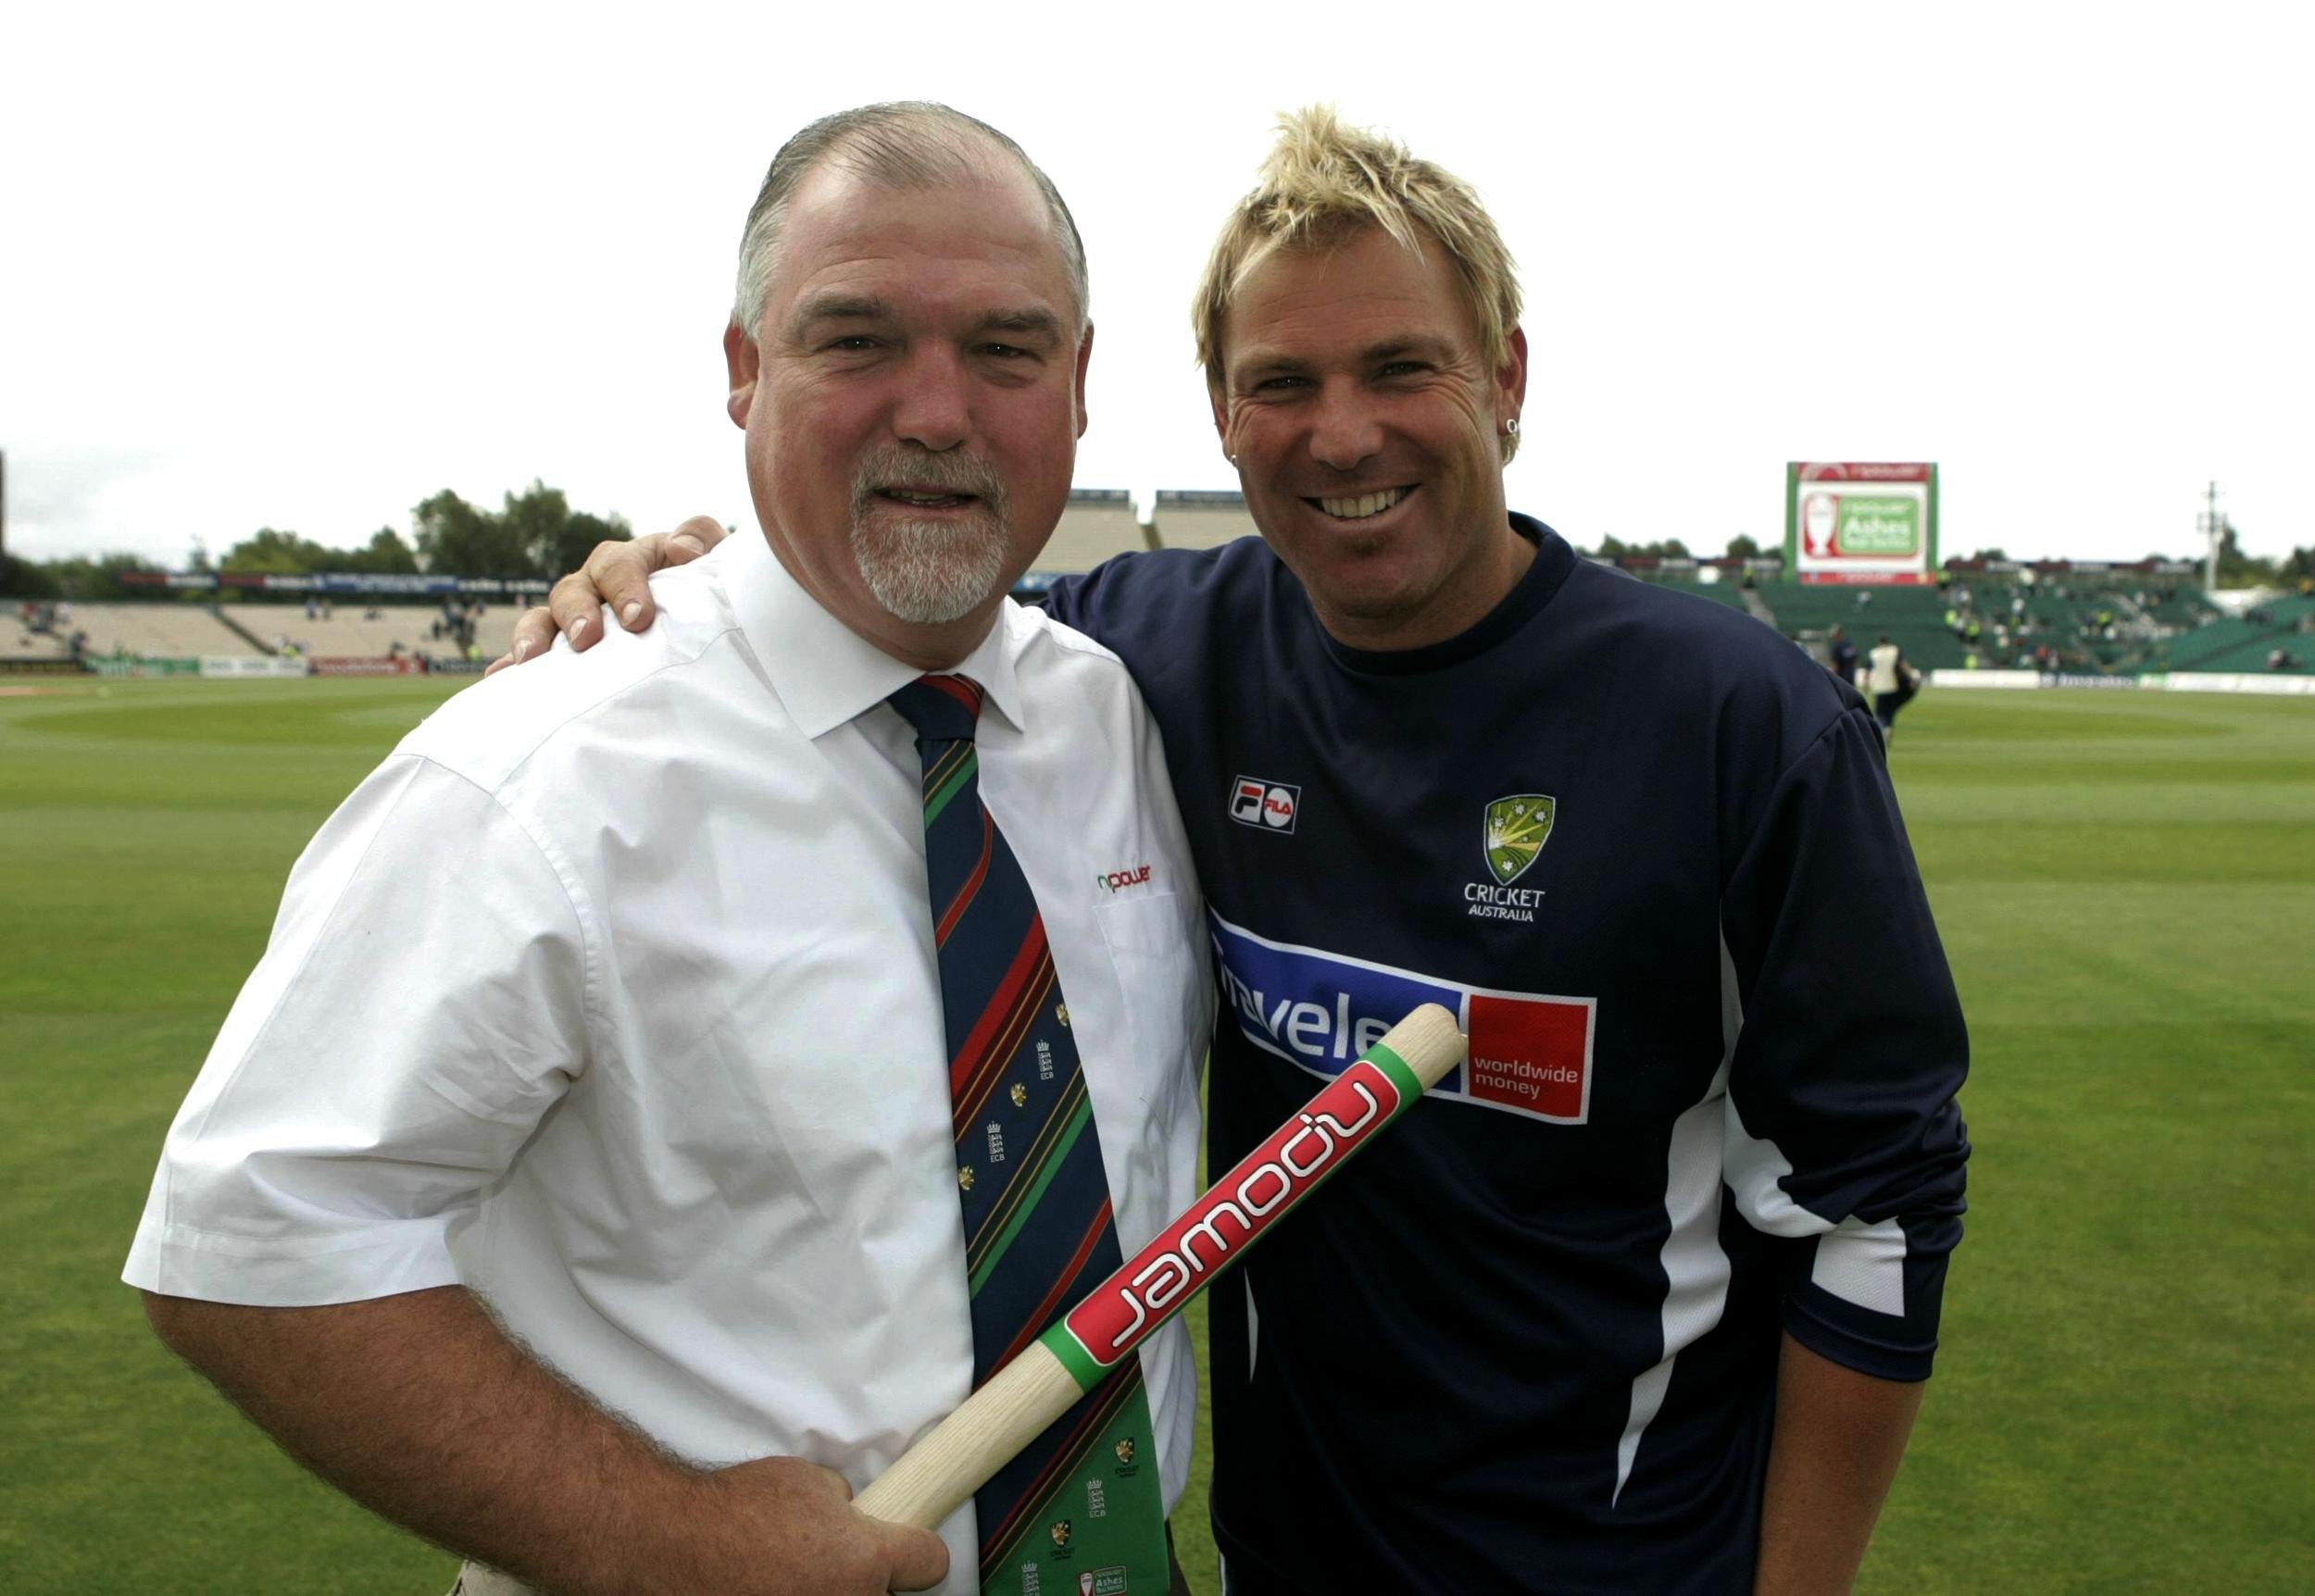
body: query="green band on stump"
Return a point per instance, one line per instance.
(1087, 1370)
(1402, 1076)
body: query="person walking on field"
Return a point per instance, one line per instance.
(1893, 682)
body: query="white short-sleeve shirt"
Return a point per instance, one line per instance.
(612, 994)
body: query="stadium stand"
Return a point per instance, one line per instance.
(2245, 642)
(23, 642)
(1192, 519)
(1912, 616)
(153, 631)
(1097, 523)
(346, 632)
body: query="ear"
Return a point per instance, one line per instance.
(1511, 380)
(742, 362)
(1085, 356)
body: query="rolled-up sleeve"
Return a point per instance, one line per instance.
(1842, 1128)
(421, 1003)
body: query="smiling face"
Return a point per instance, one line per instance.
(1367, 427)
(912, 402)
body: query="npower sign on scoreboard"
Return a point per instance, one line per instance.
(1860, 522)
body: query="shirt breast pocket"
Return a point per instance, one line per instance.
(1157, 945)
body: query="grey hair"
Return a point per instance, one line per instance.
(903, 145)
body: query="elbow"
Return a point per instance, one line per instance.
(181, 1323)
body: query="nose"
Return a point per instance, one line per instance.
(935, 404)
(1344, 431)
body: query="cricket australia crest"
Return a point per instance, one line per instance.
(1517, 827)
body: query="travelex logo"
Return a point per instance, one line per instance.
(1529, 1053)
(1207, 1235)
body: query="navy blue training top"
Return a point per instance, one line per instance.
(1648, 854)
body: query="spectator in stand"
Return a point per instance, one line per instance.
(2281, 660)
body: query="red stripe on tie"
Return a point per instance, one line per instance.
(1034, 1324)
(990, 1069)
(957, 688)
(972, 883)
(1001, 1005)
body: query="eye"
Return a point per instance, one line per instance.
(1403, 368)
(1005, 351)
(1276, 384)
(852, 343)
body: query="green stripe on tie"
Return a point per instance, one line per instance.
(1078, 1118)
(950, 788)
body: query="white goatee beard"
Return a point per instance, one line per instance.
(930, 572)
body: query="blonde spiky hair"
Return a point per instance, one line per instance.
(1323, 181)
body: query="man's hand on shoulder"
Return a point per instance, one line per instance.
(616, 574)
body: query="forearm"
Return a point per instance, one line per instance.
(422, 1409)
(1839, 1437)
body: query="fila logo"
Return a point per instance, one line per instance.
(1266, 805)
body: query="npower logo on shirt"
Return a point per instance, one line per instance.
(1531, 1053)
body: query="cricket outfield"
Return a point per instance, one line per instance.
(2125, 883)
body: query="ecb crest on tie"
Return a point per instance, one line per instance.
(1517, 827)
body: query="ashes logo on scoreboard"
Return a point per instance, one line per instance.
(1266, 805)
(1529, 1053)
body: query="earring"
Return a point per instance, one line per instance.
(1512, 425)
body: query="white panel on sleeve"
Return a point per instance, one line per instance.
(1863, 1264)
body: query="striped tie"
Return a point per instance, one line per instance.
(1081, 1507)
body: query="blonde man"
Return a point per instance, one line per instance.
(1642, 1299)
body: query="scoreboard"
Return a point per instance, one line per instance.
(1853, 521)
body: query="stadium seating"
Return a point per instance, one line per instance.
(345, 634)
(1913, 618)
(1097, 524)
(23, 642)
(2243, 642)
(1198, 519)
(153, 630)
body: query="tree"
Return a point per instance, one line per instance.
(386, 556)
(272, 552)
(1742, 547)
(537, 534)
(80, 576)
(2237, 569)
(455, 538)
(23, 579)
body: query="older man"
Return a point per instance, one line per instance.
(1639, 1301)
(618, 1153)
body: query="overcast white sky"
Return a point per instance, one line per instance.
(303, 266)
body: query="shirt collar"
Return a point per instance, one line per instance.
(825, 673)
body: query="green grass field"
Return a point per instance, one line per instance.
(2125, 883)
